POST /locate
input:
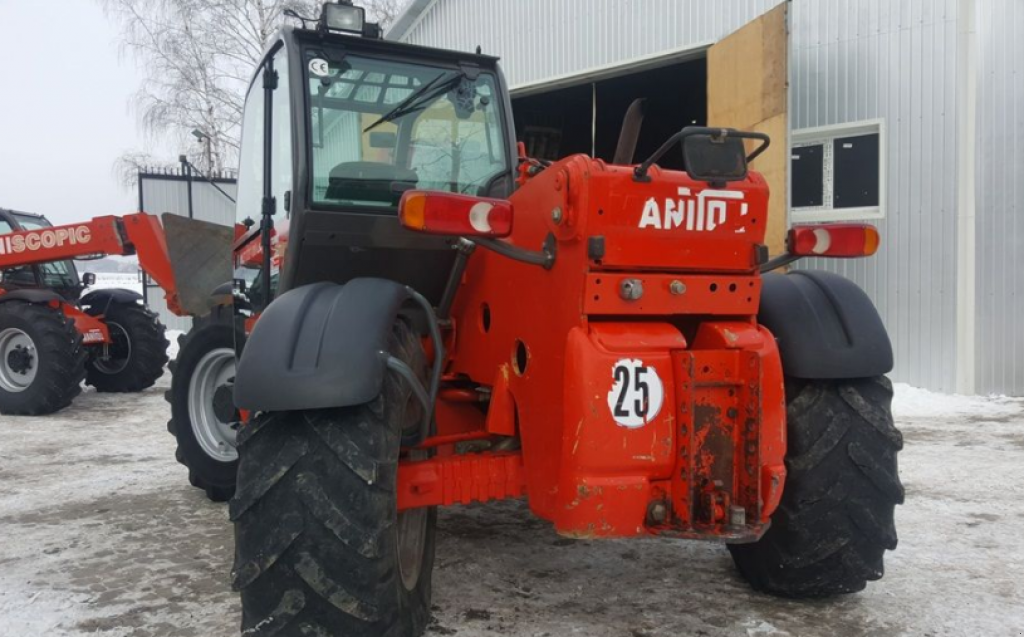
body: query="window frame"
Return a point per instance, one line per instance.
(826, 136)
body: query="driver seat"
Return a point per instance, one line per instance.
(370, 181)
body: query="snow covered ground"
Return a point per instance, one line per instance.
(100, 534)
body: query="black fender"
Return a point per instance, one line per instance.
(224, 289)
(100, 300)
(320, 346)
(825, 325)
(31, 296)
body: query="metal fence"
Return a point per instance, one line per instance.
(162, 191)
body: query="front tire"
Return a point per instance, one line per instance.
(42, 362)
(320, 548)
(203, 415)
(137, 355)
(835, 521)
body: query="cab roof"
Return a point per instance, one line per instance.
(404, 49)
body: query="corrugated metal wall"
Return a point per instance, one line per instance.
(854, 60)
(999, 295)
(162, 194)
(540, 39)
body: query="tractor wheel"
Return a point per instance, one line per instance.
(136, 357)
(835, 521)
(320, 548)
(42, 362)
(203, 414)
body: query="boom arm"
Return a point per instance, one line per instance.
(136, 234)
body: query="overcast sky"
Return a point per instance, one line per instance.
(65, 112)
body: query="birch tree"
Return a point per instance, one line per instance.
(198, 57)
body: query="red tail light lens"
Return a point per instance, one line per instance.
(453, 214)
(839, 240)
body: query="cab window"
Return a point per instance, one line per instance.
(250, 169)
(379, 128)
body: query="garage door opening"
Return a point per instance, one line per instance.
(588, 117)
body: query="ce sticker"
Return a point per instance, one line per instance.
(319, 67)
(636, 395)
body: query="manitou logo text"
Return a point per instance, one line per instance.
(702, 212)
(44, 239)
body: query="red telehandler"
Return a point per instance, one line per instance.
(435, 319)
(52, 336)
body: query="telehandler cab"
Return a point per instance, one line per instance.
(453, 322)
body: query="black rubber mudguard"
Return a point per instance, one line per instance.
(102, 299)
(31, 296)
(826, 326)
(319, 346)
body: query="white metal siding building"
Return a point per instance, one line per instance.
(935, 85)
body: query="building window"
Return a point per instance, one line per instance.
(838, 172)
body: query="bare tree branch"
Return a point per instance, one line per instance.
(199, 56)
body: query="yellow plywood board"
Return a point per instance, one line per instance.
(774, 164)
(748, 89)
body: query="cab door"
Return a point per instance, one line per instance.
(748, 89)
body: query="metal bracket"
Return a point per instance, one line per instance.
(778, 262)
(545, 257)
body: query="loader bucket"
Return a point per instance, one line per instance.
(200, 255)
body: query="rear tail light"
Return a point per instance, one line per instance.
(453, 214)
(840, 240)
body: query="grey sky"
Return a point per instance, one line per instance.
(65, 115)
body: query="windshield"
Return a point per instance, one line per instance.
(379, 128)
(31, 223)
(56, 274)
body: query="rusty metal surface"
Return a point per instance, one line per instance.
(200, 254)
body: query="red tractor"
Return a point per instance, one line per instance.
(52, 337)
(452, 322)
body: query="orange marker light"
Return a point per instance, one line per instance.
(412, 209)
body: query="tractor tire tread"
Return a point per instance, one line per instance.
(149, 352)
(216, 488)
(62, 360)
(836, 518)
(315, 502)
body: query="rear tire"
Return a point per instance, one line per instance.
(319, 546)
(203, 415)
(138, 353)
(835, 521)
(42, 361)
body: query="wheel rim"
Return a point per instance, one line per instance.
(412, 523)
(412, 540)
(211, 381)
(19, 361)
(119, 352)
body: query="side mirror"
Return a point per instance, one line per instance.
(88, 279)
(715, 155)
(715, 159)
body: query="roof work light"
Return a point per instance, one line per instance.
(343, 17)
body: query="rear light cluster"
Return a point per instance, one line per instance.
(839, 240)
(454, 214)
